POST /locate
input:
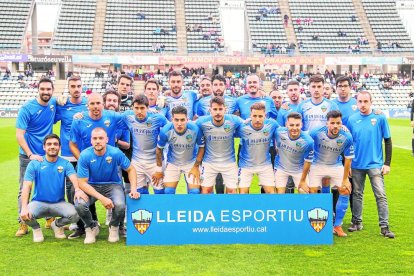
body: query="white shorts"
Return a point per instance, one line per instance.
(265, 175)
(144, 174)
(228, 171)
(282, 178)
(318, 172)
(172, 173)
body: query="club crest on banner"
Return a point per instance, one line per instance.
(141, 219)
(317, 218)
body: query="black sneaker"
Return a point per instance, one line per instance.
(122, 231)
(76, 234)
(385, 231)
(355, 227)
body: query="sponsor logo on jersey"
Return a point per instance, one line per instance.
(60, 169)
(141, 219)
(108, 159)
(317, 218)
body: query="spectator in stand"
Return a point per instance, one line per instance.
(353, 18)
(286, 20)
(315, 36)
(140, 15)
(300, 29)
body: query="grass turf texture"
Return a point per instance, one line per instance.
(364, 252)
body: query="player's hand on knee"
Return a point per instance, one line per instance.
(346, 187)
(195, 173)
(79, 194)
(385, 170)
(134, 194)
(107, 203)
(25, 214)
(156, 177)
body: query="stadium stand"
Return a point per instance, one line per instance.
(266, 29)
(202, 19)
(328, 17)
(138, 26)
(75, 25)
(14, 17)
(387, 25)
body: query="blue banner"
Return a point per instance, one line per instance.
(230, 219)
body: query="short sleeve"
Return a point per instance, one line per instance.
(30, 173)
(83, 168)
(69, 169)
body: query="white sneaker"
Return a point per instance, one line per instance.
(38, 235)
(73, 227)
(108, 216)
(59, 231)
(91, 234)
(113, 234)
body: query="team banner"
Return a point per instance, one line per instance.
(230, 219)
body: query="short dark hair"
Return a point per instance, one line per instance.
(179, 110)
(51, 136)
(294, 115)
(46, 80)
(175, 74)
(333, 114)
(219, 78)
(141, 99)
(74, 78)
(293, 82)
(258, 106)
(217, 100)
(154, 81)
(111, 91)
(316, 78)
(131, 80)
(342, 79)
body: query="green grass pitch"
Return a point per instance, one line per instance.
(364, 252)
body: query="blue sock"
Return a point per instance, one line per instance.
(159, 192)
(194, 191)
(169, 190)
(341, 207)
(143, 190)
(326, 189)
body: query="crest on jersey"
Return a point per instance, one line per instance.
(189, 138)
(108, 159)
(184, 99)
(52, 107)
(266, 132)
(354, 107)
(339, 142)
(373, 121)
(227, 128)
(107, 123)
(298, 144)
(323, 108)
(141, 219)
(149, 124)
(60, 169)
(317, 218)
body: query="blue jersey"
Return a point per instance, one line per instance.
(219, 141)
(183, 147)
(347, 109)
(314, 115)
(254, 151)
(292, 154)
(65, 115)
(244, 103)
(81, 129)
(283, 113)
(203, 105)
(328, 150)
(102, 169)
(144, 135)
(49, 179)
(368, 132)
(187, 99)
(37, 121)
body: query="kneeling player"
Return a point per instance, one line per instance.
(185, 140)
(295, 154)
(256, 136)
(330, 142)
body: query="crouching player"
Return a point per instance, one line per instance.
(330, 142)
(186, 151)
(49, 191)
(295, 154)
(256, 136)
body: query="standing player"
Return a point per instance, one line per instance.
(179, 97)
(186, 151)
(314, 110)
(124, 88)
(49, 191)
(156, 102)
(330, 142)
(293, 92)
(98, 172)
(368, 131)
(219, 132)
(346, 104)
(34, 122)
(295, 154)
(205, 89)
(277, 98)
(327, 90)
(256, 136)
(145, 128)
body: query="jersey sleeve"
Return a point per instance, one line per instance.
(30, 173)
(125, 136)
(58, 114)
(74, 131)
(162, 137)
(349, 147)
(309, 151)
(124, 162)
(385, 128)
(23, 119)
(120, 121)
(334, 106)
(273, 110)
(69, 170)
(83, 169)
(200, 137)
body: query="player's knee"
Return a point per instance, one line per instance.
(169, 190)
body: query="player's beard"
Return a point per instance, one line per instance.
(218, 119)
(45, 97)
(219, 93)
(176, 90)
(98, 147)
(112, 107)
(52, 153)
